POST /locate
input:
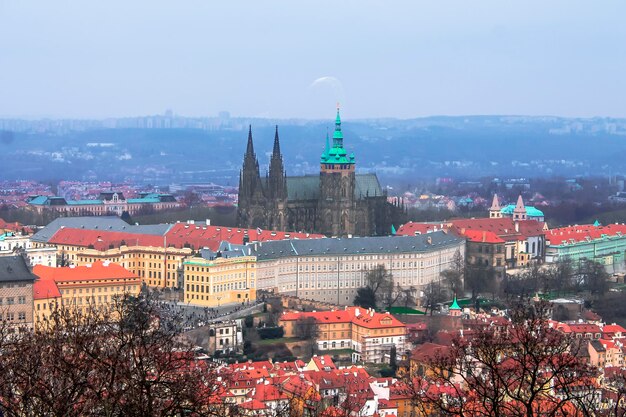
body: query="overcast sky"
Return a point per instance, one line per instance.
(291, 58)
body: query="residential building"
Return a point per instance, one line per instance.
(16, 293)
(47, 298)
(331, 270)
(588, 242)
(95, 285)
(218, 281)
(12, 243)
(369, 334)
(225, 335)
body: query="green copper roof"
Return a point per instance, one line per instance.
(530, 211)
(454, 305)
(337, 154)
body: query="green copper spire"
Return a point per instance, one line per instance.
(338, 136)
(455, 305)
(326, 148)
(337, 153)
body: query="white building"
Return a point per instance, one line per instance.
(331, 270)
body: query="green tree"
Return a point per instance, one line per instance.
(365, 297)
(480, 278)
(594, 277)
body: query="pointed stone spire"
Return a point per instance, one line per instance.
(495, 211)
(250, 147)
(519, 213)
(276, 177)
(495, 204)
(327, 148)
(276, 143)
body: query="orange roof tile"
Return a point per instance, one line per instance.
(580, 233)
(102, 240)
(97, 271)
(45, 288)
(357, 315)
(201, 236)
(412, 229)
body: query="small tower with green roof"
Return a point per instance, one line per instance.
(454, 309)
(337, 185)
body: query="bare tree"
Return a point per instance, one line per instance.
(129, 359)
(529, 370)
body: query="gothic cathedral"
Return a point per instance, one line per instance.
(337, 202)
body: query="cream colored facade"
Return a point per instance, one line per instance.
(38, 254)
(368, 334)
(156, 266)
(335, 279)
(219, 281)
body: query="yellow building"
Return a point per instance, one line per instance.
(158, 267)
(219, 281)
(82, 286)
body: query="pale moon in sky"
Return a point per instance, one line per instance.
(323, 95)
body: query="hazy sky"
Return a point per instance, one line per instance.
(262, 58)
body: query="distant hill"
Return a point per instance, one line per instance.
(427, 147)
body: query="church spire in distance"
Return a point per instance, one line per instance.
(250, 147)
(276, 144)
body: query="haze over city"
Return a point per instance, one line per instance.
(313, 209)
(291, 60)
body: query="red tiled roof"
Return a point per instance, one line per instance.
(612, 329)
(14, 226)
(483, 236)
(102, 240)
(584, 328)
(580, 233)
(45, 288)
(503, 227)
(355, 315)
(412, 229)
(201, 236)
(428, 351)
(324, 361)
(253, 405)
(97, 271)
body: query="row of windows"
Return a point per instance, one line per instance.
(10, 316)
(11, 300)
(100, 289)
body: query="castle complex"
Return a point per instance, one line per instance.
(337, 202)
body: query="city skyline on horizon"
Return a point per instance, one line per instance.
(286, 61)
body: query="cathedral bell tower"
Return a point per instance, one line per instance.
(251, 196)
(277, 189)
(337, 183)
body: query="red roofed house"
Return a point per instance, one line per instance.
(368, 333)
(604, 244)
(82, 286)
